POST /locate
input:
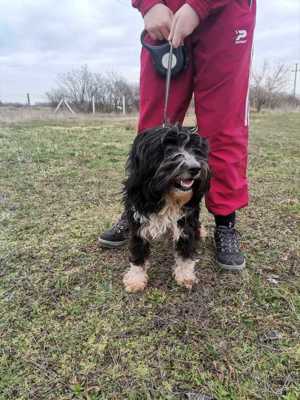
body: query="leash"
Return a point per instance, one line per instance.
(177, 60)
(167, 90)
(166, 121)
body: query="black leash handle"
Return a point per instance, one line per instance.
(159, 53)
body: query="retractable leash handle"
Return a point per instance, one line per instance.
(160, 56)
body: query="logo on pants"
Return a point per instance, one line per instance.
(241, 36)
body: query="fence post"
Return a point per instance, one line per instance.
(68, 106)
(93, 104)
(124, 106)
(295, 79)
(58, 105)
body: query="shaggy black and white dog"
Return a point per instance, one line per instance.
(168, 175)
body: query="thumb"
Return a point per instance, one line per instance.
(177, 38)
(172, 31)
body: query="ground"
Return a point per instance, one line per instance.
(68, 330)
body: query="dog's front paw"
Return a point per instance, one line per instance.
(135, 280)
(185, 275)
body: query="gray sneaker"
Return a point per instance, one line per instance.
(228, 253)
(117, 235)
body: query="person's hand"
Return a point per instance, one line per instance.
(185, 21)
(158, 21)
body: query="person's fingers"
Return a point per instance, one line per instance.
(165, 31)
(155, 34)
(159, 35)
(152, 35)
(170, 21)
(173, 27)
(177, 37)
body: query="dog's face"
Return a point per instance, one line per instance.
(183, 164)
(164, 160)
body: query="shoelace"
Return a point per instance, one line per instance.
(227, 240)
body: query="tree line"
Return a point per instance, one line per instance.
(79, 87)
(268, 88)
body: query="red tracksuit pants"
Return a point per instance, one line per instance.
(218, 76)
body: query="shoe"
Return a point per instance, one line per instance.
(117, 235)
(228, 254)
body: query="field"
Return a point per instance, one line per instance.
(67, 328)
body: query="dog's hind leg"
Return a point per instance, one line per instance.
(136, 279)
(185, 248)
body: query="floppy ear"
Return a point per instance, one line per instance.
(204, 143)
(133, 160)
(202, 186)
(206, 172)
(132, 163)
(205, 180)
(142, 163)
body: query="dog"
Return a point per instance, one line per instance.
(167, 176)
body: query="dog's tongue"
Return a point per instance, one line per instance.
(187, 183)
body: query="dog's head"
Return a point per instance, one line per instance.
(164, 160)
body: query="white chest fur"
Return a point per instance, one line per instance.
(158, 224)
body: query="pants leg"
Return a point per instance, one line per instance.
(222, 47)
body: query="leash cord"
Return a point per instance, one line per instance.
(168, 81)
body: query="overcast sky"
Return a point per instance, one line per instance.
(42, 38)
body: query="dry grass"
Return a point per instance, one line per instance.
(69, 331)
(23, 115)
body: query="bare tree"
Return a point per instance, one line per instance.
(100, 92)
(80, 86)
(267, 83)
(118, 87)
(55, 95)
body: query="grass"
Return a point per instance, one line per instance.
(67, 328)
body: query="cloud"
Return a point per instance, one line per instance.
(39, 40)
(278, 26)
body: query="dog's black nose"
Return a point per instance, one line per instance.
(194, 171)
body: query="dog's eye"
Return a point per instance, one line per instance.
(175, 157)
(172, 155)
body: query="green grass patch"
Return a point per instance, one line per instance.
(68, 330)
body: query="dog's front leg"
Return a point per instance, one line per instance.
(136, 279)
(184, 258)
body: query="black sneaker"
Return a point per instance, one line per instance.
(228, 253)
(117, 235)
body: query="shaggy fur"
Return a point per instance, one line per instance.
(168, 175)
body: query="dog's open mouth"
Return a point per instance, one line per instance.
(184, 184)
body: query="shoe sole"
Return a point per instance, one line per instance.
(232, 268)
(111, 245)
